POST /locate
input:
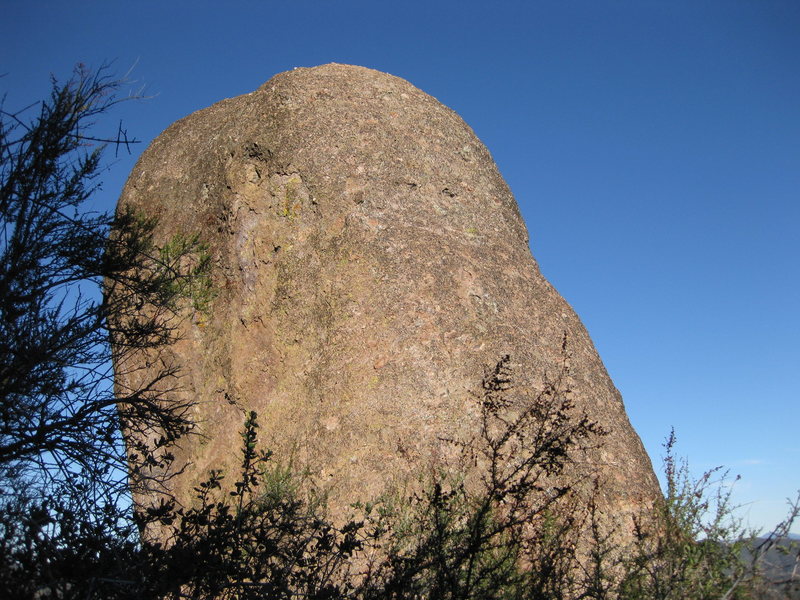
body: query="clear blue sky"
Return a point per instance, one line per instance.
(653, 146)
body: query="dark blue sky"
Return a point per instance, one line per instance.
(653, 146)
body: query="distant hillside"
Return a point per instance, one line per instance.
(781, 568)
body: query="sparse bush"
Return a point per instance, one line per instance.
(696, 547)
(474, 543)
(506, 539)
(265, 540)
(248, 543)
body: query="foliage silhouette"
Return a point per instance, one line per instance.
(64, 470)
(470, 543)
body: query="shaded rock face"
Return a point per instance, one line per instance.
(369, 262)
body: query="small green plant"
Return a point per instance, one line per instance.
(185, 263)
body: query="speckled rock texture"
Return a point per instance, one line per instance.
(369, 262)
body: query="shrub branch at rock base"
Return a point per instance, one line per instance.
(447, 541)
(260, 538)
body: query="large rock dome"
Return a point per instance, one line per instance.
(369, 263)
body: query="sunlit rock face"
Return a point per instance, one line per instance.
(369, 262)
